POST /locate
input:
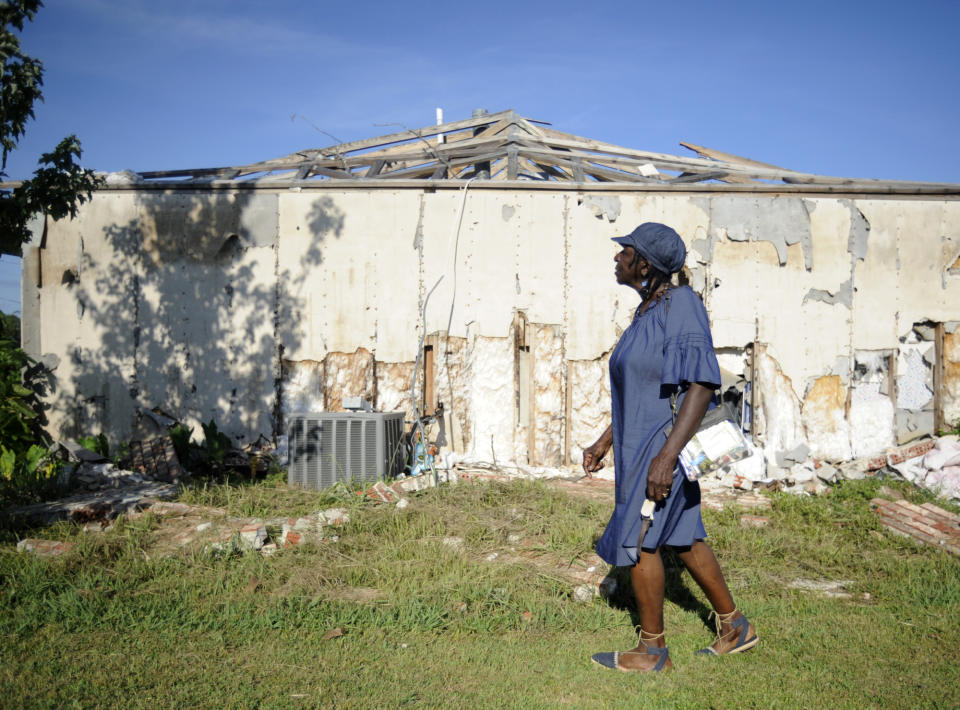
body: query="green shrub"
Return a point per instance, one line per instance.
(28, 476)
(28, 471)
(9, 327)
(97, 444)
(22, 381)
(209, 456)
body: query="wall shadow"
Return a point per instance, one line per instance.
(181, 309)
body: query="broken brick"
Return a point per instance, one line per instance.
(253, 535)
(380, 491)
(754, 521)
(334, 517)
(912, 451)
(291, 538)
(300, 524)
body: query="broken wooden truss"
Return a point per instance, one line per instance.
(506, 146)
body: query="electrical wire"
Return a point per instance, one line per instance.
(452, 249)
(455, 238)
(413, 381)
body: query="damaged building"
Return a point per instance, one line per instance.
(478, 253)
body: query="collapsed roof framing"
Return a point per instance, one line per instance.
(506, 146)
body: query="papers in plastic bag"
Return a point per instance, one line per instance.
(717, 443)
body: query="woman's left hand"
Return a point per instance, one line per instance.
(660, 473)
(660, 477)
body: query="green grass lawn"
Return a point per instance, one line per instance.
(427, 625)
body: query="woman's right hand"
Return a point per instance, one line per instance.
(593, 454)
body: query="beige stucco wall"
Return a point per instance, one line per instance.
(237, 305)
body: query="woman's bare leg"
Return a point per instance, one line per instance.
(647, 578)
(706, 572)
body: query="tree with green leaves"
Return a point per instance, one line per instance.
(59, 185)
(28, 471)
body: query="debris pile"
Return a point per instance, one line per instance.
(213, 530)
(102, 476)
(97, 505)
(932, 464)
(104, 490)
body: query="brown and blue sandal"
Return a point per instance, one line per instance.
(611, 659)
(742, 626)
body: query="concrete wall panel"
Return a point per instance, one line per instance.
(190, 300)
(876, 278)
(598, 308)
(920, 276)
(536, 229)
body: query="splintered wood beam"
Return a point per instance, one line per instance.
(513, 166)
(728, 157)
(375, 167)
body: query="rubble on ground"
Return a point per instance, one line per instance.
(213, 530)
(103, 490)
(98, 505)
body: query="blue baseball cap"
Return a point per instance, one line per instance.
(658, 244)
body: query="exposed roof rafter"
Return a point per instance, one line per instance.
(507, 146)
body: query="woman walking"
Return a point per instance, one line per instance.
(666, 349)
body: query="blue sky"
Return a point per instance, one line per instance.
(863, 89)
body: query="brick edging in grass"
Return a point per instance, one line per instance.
(925, 523)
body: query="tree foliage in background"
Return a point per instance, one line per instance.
(9, 327)
(28, 471)
(59, 185)
(23, 382)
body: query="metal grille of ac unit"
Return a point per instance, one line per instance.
(342, 446)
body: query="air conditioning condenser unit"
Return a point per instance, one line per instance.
(328, 447)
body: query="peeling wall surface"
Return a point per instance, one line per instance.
(247, 305)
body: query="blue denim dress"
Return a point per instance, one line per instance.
(664, 349)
